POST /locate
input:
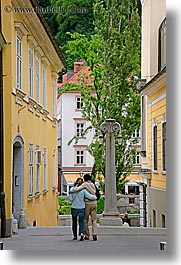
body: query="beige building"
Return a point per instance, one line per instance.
(153, 107)
(31, 61)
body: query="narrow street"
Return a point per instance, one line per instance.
(60, 239)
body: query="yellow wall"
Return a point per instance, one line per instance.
(156, 112)
(37, 126)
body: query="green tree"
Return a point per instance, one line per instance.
(49, 16)
(74, 16)
(113, 55)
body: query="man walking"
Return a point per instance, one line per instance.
(90, 207)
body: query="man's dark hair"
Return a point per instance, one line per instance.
(87, 177)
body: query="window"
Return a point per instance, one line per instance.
(18, 63)
(54, 170)
(37, 79)
(136, 160)
(44, 87)
(80, 126)
(31, 169)
(80, 157)
(143, 123)
(80, 129)
(38, 163)
(79, 103)
(163, 221)
(136, 133)
(162, 45)
(154, 218)
(164, 146)
(45, 184)
(31, 72)
(155, 147)
(54, 98)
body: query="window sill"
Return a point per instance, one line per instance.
(80, 165)
(45, 191)
(164, 172)
(31, 196)
(37, 194)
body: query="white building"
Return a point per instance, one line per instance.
(74, 159)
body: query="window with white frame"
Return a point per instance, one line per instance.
(79, 103)
(54, 170)
(37, 79)
(136, 160)
(45, 180)
(31, 70)
(79, 129)
(44, 86)
(155, 147)
(136, 133)
(31, 161)
(80, 157)
(54, 98)
(162, 45)
(164, 146)
(143, 123)
(18, 63)
(38, 163)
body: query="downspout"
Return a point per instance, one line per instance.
(2, 194)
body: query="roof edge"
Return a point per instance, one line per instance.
(48, 31)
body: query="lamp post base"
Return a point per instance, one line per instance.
(110, 220)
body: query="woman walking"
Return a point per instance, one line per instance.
(78, 208)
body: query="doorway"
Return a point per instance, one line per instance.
(18, 177)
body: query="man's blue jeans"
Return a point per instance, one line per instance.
(77, 213)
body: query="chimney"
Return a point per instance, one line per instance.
(64, 78)
(78, 66)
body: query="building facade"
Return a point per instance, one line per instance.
(75, 159)
(31, 62)
(153, 108)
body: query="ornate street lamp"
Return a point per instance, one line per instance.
(110, 214)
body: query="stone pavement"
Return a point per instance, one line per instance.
(110, 240)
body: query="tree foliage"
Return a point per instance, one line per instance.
(113, 55)
(76, 16)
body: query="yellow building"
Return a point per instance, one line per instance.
(31, 62)
(153, 106)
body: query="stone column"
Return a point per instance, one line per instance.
(110, 216)
(142, 206)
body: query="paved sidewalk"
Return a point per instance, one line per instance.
(109, 241)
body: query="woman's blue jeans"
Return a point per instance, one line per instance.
(80, 214)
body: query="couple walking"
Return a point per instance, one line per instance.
(82, 196)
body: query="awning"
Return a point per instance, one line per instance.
(71, 177)
(133, 178)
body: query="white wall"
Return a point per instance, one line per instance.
(68, 131)
(153, 13)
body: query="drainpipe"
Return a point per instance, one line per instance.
(2, 194)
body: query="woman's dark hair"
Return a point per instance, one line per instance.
(78, 182)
